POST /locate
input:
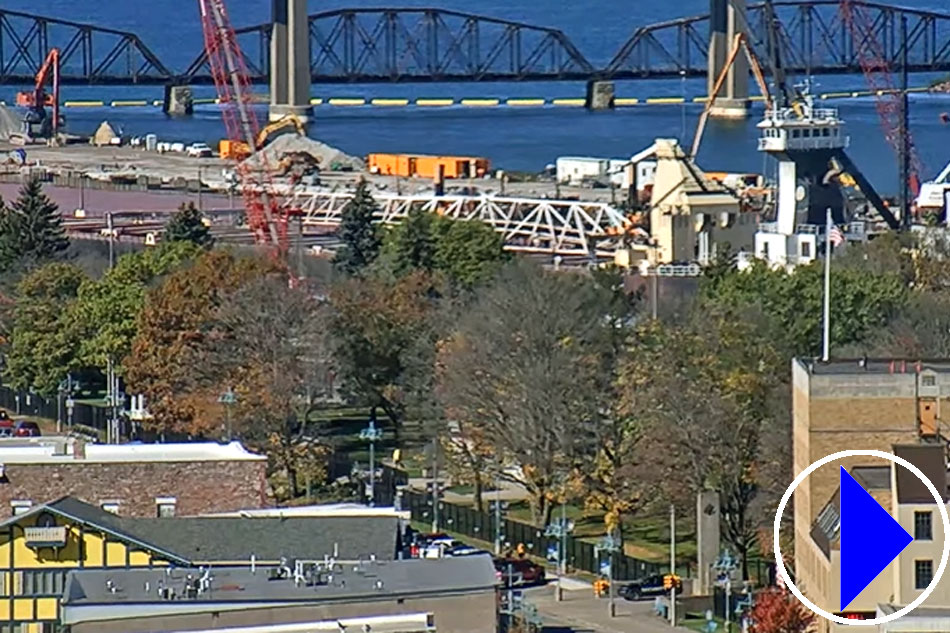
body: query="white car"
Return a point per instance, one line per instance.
(199, 150)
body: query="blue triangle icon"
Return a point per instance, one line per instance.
(870, 538)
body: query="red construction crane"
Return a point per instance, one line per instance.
(266, 216)
(38, 99)
(888, 98)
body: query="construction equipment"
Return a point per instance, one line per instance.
(297, 165)
(890, 102)
(239, 150)
(37, 100)
(266, 217)
(741, 42)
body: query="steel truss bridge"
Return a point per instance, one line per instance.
(557, 227)
(433, 45)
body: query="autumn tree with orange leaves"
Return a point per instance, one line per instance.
(778, 611)
(172, 337)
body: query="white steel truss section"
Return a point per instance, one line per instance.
(557, 227)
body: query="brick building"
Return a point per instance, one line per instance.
(137, 480)
(890, 405)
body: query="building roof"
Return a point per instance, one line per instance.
(860, 366)
(930, 459)
(57, 450)
(332, 582)
(194, 540)
(873, 477)
(321, 510)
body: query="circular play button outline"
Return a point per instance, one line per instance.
(780, 565)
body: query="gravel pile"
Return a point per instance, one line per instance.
(327, 156)
(10, 122)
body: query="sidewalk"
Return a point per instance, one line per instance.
(581, 611)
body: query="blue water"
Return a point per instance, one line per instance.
(515, 139)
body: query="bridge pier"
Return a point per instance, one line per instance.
(290, 61)
(600, 95)
(726, 19)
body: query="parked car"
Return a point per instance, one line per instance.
(26, 429)
(648, 586)
(6, 427)
(199, 150)
(518, 571)
(462, 549)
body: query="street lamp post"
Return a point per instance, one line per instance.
(560, 529)
(372, 435)
(724, 568)
(228, 398)
(610, 544)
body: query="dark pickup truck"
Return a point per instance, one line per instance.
(649, 586)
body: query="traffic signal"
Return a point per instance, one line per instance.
(668, 581)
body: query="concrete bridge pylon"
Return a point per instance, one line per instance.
(290, 61)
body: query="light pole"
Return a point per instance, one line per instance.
(672, 565)
(499, 506)
(372, 435)
(724, 567)
(228, 398)
(560, 529)
(610, 544)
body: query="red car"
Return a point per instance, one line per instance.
(26, 429)
(518, 571)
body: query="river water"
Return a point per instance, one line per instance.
(514, 138)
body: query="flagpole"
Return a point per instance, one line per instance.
(826, 333)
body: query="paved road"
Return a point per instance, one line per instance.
(580, 611)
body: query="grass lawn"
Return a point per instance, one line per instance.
(646, 537)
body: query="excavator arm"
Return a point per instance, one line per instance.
(739, 43)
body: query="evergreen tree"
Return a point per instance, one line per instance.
(361, 241)
(31, 229)
(411, 244)
(187, 225)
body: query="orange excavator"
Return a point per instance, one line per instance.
(37, 100)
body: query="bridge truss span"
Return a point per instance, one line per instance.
(568, 228)
(416, 45)
(88, 54)
(813, 35)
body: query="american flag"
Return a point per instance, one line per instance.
(835, 236)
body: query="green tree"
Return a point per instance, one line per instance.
(106, 312)
(42, 350)
(361, 241)
(187, 225)
(381, 329)
(411, 244)
(861, 301)
(467, 252)
(31, 229)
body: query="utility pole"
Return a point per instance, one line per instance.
(82, 191)
(673, 564)
(610, 544)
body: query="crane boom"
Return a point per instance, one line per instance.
(887, 99)
(231, 78)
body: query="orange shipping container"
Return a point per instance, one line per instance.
(423, 166)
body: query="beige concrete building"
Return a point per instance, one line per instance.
(690, 213)
(884, 405)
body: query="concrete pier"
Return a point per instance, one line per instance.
(178, 100)
(290, 61)
(726, 19)
(600, 95)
